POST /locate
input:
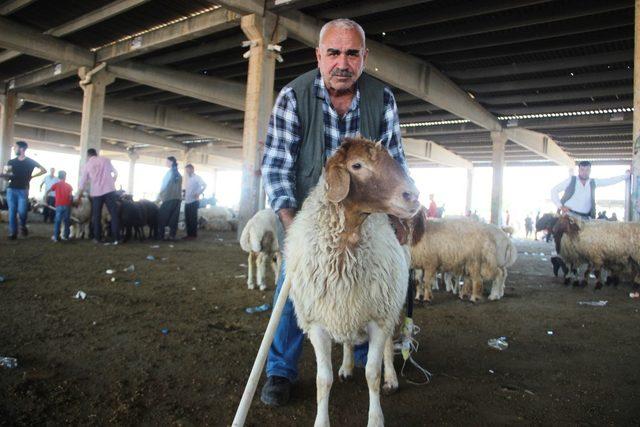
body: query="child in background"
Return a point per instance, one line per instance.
(63, 193)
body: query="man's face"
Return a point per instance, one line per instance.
(584, 171)
(52, 171)
(341, 58)
(18, 150)
(189, 171)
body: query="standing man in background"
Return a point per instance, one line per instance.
(18, 171)
(579, 196)
(194, 188)
(102, 175)
(49, 196)
(432, 212)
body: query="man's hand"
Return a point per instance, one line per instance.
(286, 216)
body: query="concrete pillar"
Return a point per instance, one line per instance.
(212, 187)
(499, 140)
(631, 206)
(94, 86)
(467, 206)
(261, 31)
(8, 104)
(133, 157)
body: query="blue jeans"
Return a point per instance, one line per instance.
(286, 348)
(63, 213)
(17, 201)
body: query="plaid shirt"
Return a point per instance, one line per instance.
(285, 135)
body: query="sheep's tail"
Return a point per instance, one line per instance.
(511, 254)
(245, 240)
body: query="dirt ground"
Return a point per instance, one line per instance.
(106, 360)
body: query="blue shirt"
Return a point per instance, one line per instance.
(48, 182)
(285, 135)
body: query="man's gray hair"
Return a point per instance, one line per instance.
(344, 24)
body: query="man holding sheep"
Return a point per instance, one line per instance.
(579, 192)
(311, 117)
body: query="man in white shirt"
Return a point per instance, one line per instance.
(579, 192)
(193, 189)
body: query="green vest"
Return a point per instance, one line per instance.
(571, 188)
(311, 156)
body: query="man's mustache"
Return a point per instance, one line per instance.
(341, 73)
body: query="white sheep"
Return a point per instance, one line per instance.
(506, 256)
(259, 239)
(80, 218)
(216, 218)
(599, 244)
(458, 246)
(347, 270)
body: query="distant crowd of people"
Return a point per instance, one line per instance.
(98, 180)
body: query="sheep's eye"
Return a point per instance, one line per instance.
(356, 166)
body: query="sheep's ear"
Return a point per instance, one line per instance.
(338, 181)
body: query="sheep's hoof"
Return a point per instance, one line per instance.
(375, 420)
(262, 287)
(575, 283)
(251, 286)
(598, 285)
(584, 283)
(345, 377)
(567, 281)
(389, 388)
(494, 297)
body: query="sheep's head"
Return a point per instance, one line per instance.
(363, 174)
(567, 224)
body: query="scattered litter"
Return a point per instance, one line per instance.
(543, 259)
(137, 282)
(215, 307)
(634, 295)
(529, 392)
(541, 253)
(80, 295)
(243, 265)
(151, 257)
(526, 253)
(240, 276)
(130, 269)
(549, 332)
(258, 309)
(8, 362)
(2, 279)
(107, 244)
(591, 275)
(165, 331)
(220, 240)
(110, 271)
(498, 343)
(113, 279)
(94, 323)
(491, 371)
(600, 303)
(154, 246)
(164, 259)
(193, 289)
(170, 246)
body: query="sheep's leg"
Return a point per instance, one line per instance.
(418, 276)
(377, 340)
(476, 293)
(448, 282)
(504, 281)
(597, 271)
(390, 378)
(250, 261)
(275, 265)
(497, 287)
(346, 370)
(428, 274)
(261, 262)
(435, 285)
(324, 376)
(465, 290)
